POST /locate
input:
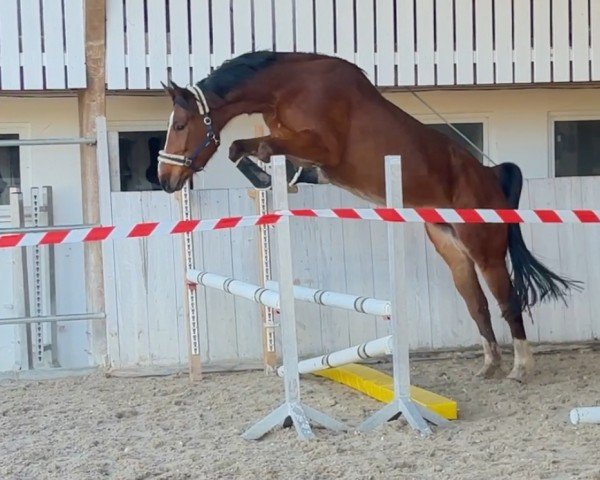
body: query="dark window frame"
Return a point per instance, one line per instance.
(7, 181)
(559, 168)
(466, 121)
(120, 160)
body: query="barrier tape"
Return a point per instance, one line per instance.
(138, 230)
(404, 215)
(449, 215)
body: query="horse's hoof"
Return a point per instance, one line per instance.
(236, 151)
(489, 370)
(519, 373)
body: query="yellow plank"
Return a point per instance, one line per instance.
(380, 386)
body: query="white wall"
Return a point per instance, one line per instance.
(59, 167)
(517, 122)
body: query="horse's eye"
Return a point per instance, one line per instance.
(179, 127)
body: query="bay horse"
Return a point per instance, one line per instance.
(323, 111)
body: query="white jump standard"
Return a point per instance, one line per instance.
(291, 409)
(282, 296)
(402, 403)
(299, 413)
(397, 343)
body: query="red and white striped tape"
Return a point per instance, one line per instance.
(449, 215)
(138, 230)
(406, 215)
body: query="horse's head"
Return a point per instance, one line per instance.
(191, 140)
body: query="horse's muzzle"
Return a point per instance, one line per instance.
(168, 187)
(172, 179)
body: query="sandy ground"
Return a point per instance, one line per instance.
(94, 427)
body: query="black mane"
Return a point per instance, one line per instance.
(236, 71)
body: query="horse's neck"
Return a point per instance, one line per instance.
(227, 112)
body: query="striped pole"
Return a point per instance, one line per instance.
(374, 348)
(255, 293)
(345, 301)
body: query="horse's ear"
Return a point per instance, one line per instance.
(173, 89)
(176, 88)
(168, 89)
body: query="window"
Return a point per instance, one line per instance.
(576, 148)
(473, 131)
(10, 174)
(138, 162)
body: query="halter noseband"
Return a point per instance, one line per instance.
(182, 160)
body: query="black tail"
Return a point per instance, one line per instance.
(532, 281)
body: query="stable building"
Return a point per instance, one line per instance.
(519, 79)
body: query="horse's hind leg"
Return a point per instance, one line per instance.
(467, 284)
(498, 279)
(487, 245)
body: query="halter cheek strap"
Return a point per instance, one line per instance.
(211, 137)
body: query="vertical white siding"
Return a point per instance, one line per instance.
(345, 256)
(42, 45)
(464, 42)
(396, 42)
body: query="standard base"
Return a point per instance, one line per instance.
(415, 415)
(300, 415)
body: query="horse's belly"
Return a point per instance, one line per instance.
(360, 193)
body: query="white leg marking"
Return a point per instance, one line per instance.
(523, 363)
(492, 353)
(492, 359)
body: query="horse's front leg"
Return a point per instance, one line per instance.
(304, 152)
(299, 170)
(243, 147)
(303, 149)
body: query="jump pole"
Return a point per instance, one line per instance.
(345, 301)
(292, 408)
(585, 415)
(375, 348)
(402, 403)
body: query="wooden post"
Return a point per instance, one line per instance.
(92, 104)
